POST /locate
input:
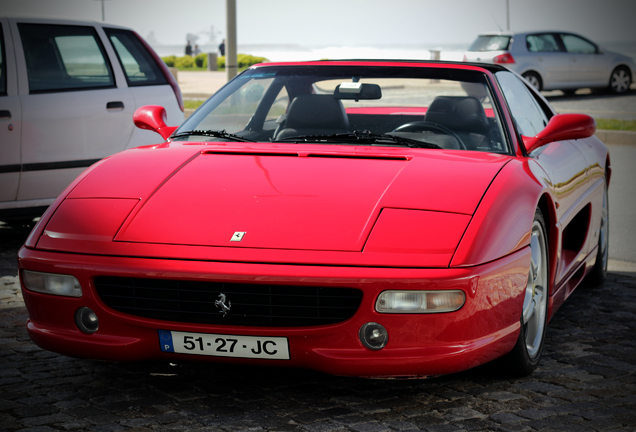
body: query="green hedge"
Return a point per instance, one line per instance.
(169, 61)
(244, 60)
(201, 61)
(184, 62)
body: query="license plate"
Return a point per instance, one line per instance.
(220, 345)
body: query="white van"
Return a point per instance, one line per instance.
(68, 91)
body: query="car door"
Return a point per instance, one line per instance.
(547, 56)
(566, 168)
(10, 124)
(75, 102)
(586, 63)
(146, 82)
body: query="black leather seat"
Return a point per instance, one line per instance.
(312, 114)
(464, 115)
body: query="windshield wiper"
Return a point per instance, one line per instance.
(215, 134)
(363, 137)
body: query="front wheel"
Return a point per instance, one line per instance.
(620, 80)
(599, 272)
(524, 357)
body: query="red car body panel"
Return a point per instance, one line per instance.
(482, 331)
(371, 218)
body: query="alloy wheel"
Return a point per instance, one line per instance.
(620, 81)
(536, 296)
(534, 80)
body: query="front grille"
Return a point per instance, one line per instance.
(250, 304)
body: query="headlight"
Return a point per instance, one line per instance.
(51, 283)
(420, 301)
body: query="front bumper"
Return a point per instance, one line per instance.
(486, 327)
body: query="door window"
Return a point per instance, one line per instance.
(577, 45)
(542, 43)
(64, 58)
(530, 119)
(137, 62)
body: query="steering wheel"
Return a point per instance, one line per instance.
(421, 126)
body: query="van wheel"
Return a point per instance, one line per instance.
(524, 357)
(534, 79)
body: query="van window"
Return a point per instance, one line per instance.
(3, 67)
(136, 61)
(64, 58)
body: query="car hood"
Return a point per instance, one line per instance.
(277, 197)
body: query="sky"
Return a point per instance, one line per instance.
(353, 23)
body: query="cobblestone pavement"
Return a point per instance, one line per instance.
(586, 382)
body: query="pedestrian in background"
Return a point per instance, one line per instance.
(222, 48)
(196, 50)
(188, 49)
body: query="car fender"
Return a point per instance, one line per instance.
(503, 220)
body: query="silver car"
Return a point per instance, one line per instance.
(553, 60)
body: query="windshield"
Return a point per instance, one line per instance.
(491, 43)
(361, 105)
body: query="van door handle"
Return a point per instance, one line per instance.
(5, 114)
(115, 105)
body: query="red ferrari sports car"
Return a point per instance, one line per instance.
(364, 218)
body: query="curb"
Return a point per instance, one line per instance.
(616, 136)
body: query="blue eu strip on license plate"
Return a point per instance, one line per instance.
(165, 339)
(260, 347)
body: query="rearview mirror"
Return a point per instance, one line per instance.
(357, 91)
(153, 117)
(562, 127)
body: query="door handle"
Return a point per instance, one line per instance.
(115, 105)
(5, 114)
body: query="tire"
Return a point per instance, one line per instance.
(534, 79)
(524, 357)
(599, 272)
(620, 80)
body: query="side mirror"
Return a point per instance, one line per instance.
(153, 117)
(562, 127)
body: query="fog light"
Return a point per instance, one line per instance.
(86, 320)
(51, 283)
(420, 301)
(373, 336)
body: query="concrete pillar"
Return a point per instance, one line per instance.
(212, 62)
(175, 73)
(231, 63)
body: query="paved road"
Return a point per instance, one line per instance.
(622, 199)
(201, 85)
(596, 104)
(585, 382)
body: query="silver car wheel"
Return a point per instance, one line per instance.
(536, 296)
(533, 79)
(620, 81)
